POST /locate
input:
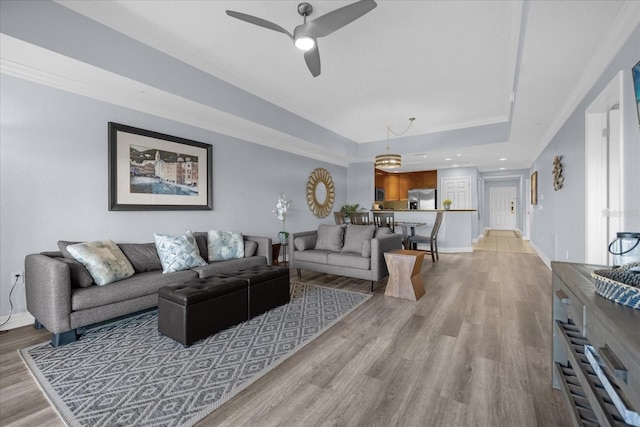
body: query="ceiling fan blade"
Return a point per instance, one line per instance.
(312, 58)
(332, 21)
(259, 22)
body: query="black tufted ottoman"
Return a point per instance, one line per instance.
(191, 311)
(268, 286)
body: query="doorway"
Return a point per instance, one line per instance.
(603, 172)
(503, 208)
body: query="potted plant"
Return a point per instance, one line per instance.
(348, 210)
(446, 203)
(281, 213)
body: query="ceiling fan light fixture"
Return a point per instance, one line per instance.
(305, 43)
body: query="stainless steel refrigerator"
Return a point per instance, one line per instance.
(423, 198)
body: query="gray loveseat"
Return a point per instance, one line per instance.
(64, 300)
(345, 250)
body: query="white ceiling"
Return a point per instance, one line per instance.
(450, 64)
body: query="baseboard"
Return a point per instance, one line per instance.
(17, 320)
(454, 250)
(541, 255)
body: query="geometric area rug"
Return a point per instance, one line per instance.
(125, 373)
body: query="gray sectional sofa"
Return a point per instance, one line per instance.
(63, 298)
(345, 250)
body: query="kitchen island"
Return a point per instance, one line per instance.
(455, 233)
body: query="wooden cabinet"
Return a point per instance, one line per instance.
(581, 317)
(424, 179)
(397, 186)
(381, 179)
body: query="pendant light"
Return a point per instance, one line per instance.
(389, 160)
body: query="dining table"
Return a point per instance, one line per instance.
(408, 230)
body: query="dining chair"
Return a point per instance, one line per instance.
(431, 240)
(338, 217)
(360, 218)
(385, 219)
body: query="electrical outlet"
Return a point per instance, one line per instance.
(19, 275)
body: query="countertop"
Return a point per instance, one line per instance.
(422, 210)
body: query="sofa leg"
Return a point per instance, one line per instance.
(64, 338)
(299, 274)
(372, 286)
(37, 325)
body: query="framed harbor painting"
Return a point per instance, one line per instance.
(153, 171)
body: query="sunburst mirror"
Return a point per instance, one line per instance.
(320, 192)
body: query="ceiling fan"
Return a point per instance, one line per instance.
(304, 35)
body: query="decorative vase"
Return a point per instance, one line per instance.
(283, 236)
(446, 207)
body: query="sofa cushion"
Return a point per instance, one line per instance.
(303, 243)
(201, 240)
(80, 276)
(229, 265)
(366, 249)
(355, 236)
(62, 245)
(319, 257)
(142, 256)
(382, 231)
(225, 245)
(250, 248)
(178, 252)
(350, 260)
(330, 237)
(104, 260)
(139, 285)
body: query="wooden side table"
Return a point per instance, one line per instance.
(275, 254)
(404, 274)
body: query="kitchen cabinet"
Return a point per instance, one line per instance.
(397, 186)
(381, 179)
(423, 179)
(581, 317)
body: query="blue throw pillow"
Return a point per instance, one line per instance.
(225, 245)
(178, 252)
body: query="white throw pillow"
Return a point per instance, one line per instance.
(104, 260)
(225, 245)
(178, 252)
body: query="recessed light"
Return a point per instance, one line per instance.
(503, 159)
(448, 159)
(459, 154)
(455, 166)
(502, 169)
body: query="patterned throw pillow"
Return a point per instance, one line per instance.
(178, 252)
(104, 260)
(225, 245)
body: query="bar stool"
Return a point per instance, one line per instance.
(360, 218)
(431, 240)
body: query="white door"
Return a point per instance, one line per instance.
(458, 190)
(603, 175)
(503, 208)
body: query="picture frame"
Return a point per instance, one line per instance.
(534, 188)
(152, 171)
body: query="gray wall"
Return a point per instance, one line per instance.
(53, 181)
(558, 221)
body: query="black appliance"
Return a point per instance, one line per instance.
(379, 194)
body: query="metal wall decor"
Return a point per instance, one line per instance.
(320, 192)
(558, 179)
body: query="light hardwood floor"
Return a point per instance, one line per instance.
(473, 351)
